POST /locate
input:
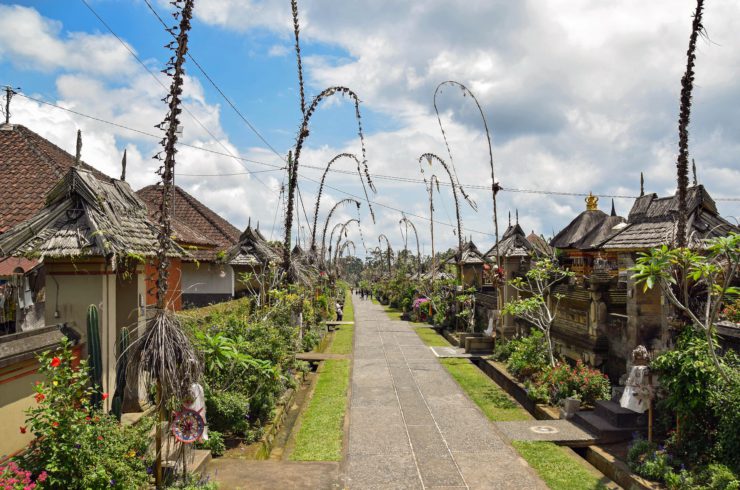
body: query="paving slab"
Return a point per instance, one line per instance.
(560, 431)
(411, 425)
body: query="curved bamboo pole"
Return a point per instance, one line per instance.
(389, 250)
(328, 218)
(408, 222)
(495, 187)
(321, 189)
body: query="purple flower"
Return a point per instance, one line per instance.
(112, 482)
(149, 470)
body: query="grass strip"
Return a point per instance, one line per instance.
(431, 338)
(490, 398)
(343, 336)
(557, 466)
(322, 424)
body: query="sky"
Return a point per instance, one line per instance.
(580, 96)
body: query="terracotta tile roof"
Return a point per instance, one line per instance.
(202, 232)
(30, 166)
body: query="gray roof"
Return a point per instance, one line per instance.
(539, 244)
(579, 228)
(470, 255)
(252, 249)
(514, 243)
(86, 216)
(653, 220)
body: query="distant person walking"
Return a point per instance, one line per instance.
(339, 312)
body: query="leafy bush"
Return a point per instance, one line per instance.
(647, 460)
(537, 392)
(227, 411)
(529, 356)
(502, 350)
(76, 444)
(731, 311)
(582, 382)
(707, 404)
(215, 443)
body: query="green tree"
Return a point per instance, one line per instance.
(537, 304)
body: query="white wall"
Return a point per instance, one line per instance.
(205, 278)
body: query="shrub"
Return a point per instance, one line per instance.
(502, 350)
(76, 444)
(538, 393)
(581, 382)
(215, 443)
(647, 460)
(529, 356)
(227, 411)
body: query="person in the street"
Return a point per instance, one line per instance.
(339, 312)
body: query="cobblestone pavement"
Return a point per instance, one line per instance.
(411, 425)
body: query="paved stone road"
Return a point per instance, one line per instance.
(411, 425)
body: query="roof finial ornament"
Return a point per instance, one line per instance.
(510, 217)
(592, 202)
(249, 222)
(78, 151)
(693, 170)
(517, 216)
(614, 211)
(123, 166)
(642, 185)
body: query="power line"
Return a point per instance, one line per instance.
(394, 178)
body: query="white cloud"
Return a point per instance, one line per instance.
(31, 41)
(580, 96)
(278, 50)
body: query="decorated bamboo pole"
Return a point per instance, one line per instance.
(682, 163)
(328, 218)
(432, 181)
(389, 250)
(430, 157)
(321, 189)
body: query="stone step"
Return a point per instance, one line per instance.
(619, 416)
(604, 431)
(478, 345)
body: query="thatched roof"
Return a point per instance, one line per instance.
(85, 216)
(470, 255)
(514, 243)
(252, 249)
(652, 222)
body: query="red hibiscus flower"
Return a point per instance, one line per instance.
(100, 438)
(56, 362)
(105, 396)
(23, 429)
(39, 397)
(55, 424)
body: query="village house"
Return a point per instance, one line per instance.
(206, 276)
(93, 237)
(29, 167)
(249, 258)
(515, 250)
(603, 316)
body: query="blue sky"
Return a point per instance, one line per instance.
(580, 97)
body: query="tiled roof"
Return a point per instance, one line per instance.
(652, 222)
(196, 227)
(29, 167)
(539, 244)
(470, 255)
(85, 216)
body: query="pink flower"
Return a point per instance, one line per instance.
(42, 477)
(105, 396)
